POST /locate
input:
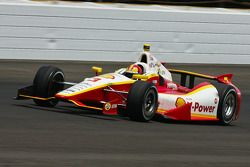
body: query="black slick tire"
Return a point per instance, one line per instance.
(45, 85)
(142, 101)
(227, 104)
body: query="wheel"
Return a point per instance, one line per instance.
(45, 85)
(227, 104)
(142, 101)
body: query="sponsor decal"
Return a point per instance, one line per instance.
(107, 106)
(114, 106)
(162, 72)
(202, 108)
(180, 102)
(215, 100)
(78, 87)
(158, 64)
(151, 65)
(154, 81)
(151, 57)
(95, 79)
(154, 65)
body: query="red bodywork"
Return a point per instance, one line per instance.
(109, 102)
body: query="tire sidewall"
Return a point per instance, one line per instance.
(222, 116)
(51, 81)
(136, 99)
(43, 84)
(149, 117)
(223, 91)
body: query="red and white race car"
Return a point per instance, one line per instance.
(140, 91)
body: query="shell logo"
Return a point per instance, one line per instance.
(107, 106)
(180, 102)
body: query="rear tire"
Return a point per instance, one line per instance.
(227, 104)
(45, 85)
(142, 101)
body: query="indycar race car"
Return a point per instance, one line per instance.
(141, 91)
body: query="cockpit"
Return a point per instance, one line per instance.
(136, 68)
(147, 64)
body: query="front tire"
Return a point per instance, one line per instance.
(45, 85)
(227, 104)
(142, 101)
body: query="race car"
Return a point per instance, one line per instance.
(141, 91)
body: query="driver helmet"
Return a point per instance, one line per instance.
(134, 69)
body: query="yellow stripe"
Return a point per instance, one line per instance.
(90, 107)
(161, 110)
(193, 92)
(152, 75)
(200, 89)
(38, 98)
(147, 77)
(192, 73)
(203, 116)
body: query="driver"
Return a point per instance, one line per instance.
(141, 68)
(134, 69)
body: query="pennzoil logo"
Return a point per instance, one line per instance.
(107, 106)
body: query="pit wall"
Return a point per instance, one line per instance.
(89, 33)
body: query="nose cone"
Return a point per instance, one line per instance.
(61, 96)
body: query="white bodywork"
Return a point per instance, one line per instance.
(95, 82)
(204, 101)
(154, 66)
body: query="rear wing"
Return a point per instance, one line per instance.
(225, 78)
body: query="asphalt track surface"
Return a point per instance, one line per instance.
(67, 136)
